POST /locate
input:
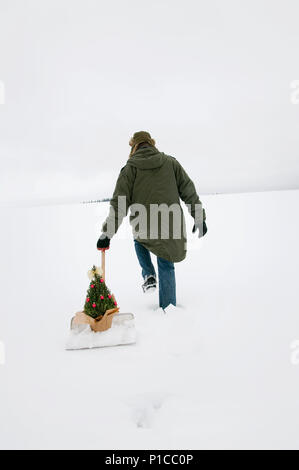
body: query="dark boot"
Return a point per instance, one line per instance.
(149, 284)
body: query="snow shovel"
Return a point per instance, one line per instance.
(114, 329)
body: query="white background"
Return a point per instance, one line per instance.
(209, 79)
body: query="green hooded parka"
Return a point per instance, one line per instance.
(152, 178)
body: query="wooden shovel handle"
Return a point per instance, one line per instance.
(103, 264)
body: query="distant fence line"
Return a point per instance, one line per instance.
(106, 199)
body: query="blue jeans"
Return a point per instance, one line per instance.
(167, 289)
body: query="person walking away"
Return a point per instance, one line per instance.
(154, 182)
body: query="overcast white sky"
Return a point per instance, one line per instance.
(210, 80)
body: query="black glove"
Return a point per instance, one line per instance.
(202, 229)
(103, 242)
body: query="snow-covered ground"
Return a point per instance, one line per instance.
(217, 372)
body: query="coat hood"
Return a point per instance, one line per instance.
(147, 158)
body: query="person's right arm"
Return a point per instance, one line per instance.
(123, 187)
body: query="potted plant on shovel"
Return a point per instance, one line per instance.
(100, 305)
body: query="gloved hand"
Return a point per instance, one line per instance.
(103, 242)
(202, 229)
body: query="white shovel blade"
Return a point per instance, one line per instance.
(121, 332)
